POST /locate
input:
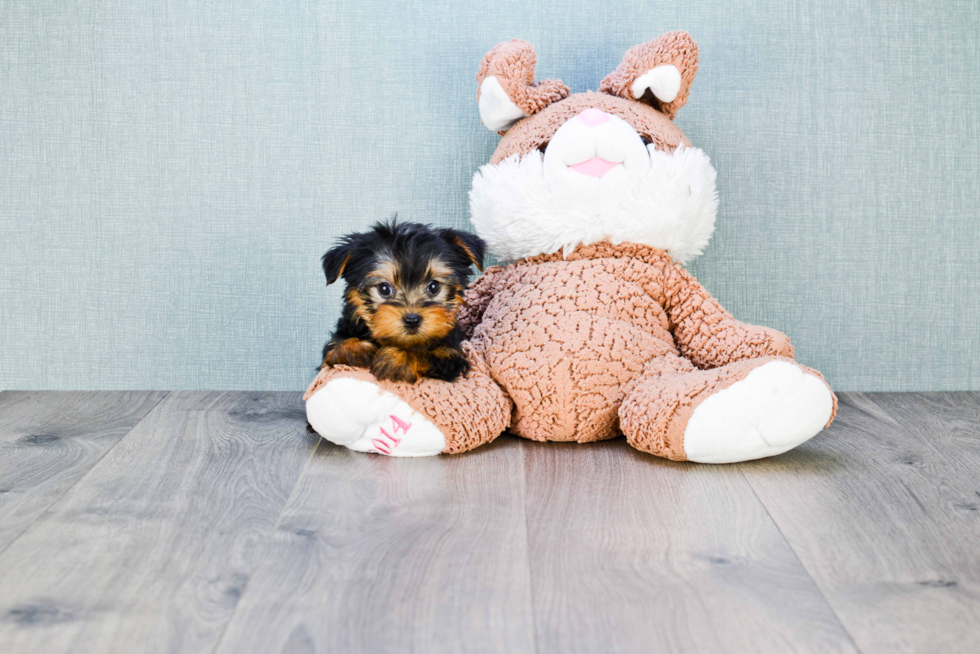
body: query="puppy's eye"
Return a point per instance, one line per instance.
(385, 290)
(433, 287)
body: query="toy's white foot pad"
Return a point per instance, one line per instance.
(775, 408)
(360, 416)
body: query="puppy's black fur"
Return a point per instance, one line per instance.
(405, 282)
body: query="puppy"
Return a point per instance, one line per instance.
(405, 282)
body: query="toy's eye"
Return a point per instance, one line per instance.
(385, 290)
(646, 141)
(433, 287)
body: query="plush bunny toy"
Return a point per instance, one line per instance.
(595, 329)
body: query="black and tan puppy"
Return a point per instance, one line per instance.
(405, 282)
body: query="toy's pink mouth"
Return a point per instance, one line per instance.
(594, 167)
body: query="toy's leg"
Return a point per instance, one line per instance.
(349, 407)
(746, 410)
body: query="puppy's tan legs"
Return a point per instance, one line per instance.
(394, 364)
(350, 352)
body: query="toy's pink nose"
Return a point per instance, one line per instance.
(593, 117)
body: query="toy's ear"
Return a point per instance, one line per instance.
(470, 245)
(335, 260)
(506, 89)
(658, 73)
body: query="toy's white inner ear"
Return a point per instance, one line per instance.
(497, 111)
(664, 81)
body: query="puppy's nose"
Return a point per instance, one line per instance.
(593, 117)
(412, 320)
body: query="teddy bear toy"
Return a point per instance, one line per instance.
(594, 329)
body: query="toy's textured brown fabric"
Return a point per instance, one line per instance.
(609, 338)
(677, 48)
(566, 336)
(535, 131)
(478, 296)
(512, 63)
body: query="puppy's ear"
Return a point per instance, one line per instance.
(335, 260)
(506, 90)
(470, 246)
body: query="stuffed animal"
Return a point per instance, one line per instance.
(595, 329)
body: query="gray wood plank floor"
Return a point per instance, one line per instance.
(48, 441)
(394, 555)
(206, 522)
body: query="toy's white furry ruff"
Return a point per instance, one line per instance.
(671, 206)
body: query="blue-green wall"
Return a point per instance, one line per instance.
(170, 172)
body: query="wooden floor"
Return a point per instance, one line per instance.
(215, 522)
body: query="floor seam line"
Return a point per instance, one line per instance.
(44, 512)
(796, 556)
(939, 453)
(527, 546)
(272, 534)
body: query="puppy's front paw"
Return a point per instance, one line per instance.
(447, 364)
(396, 365)
(349, 352)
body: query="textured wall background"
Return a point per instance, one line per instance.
(171, 172)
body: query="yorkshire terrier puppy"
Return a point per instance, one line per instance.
(405, 282)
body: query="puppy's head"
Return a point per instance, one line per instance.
(405, 280)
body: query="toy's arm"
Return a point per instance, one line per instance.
(476, 299)
(707, 334)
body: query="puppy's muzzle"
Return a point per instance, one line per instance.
(412, 321)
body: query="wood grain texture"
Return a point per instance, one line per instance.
(883, 510)
(949, 423)
(630, 553)
(395, 555)
(151, 550)
(198, 530)
(48, 441)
